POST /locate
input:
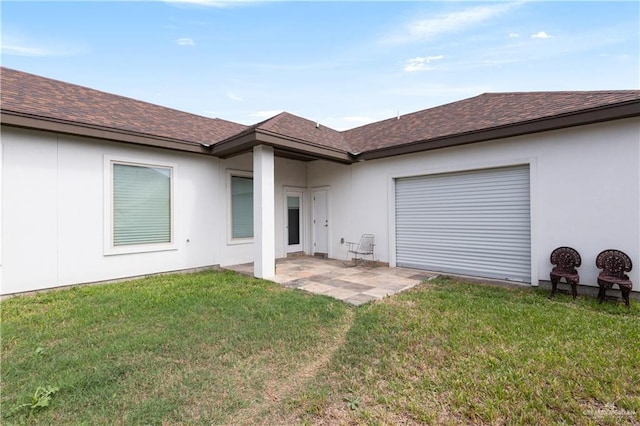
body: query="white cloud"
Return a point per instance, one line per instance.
(426, 29)
(185, 41)
(234, 97)
(25, 46)
(420, 63)
(514, 35)
(540, 34)
(266, 114)
(622, 56)
(23, 50)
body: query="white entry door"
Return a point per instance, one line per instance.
(320, 221)
(293, 222)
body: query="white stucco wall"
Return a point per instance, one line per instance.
(585, 191)
(53, 218)
(53, 200)
(289, 174)
(344, 221)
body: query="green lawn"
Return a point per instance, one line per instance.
(221, 348)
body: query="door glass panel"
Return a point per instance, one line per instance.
(293, 216)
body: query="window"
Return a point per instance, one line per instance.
(141, 205)
(241, 207)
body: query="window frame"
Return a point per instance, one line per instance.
(109, 223)
(230, 239)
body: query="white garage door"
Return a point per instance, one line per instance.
(473, 223)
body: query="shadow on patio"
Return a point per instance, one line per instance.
(355, 285)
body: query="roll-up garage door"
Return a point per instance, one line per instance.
(472, 223)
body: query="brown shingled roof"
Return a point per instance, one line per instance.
(291, 137)
(38, 97)
(483, 112)
(290, 125)
(32, 101)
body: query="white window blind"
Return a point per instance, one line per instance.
(141, 204)
(242, 207)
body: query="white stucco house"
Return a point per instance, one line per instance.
(96, 186)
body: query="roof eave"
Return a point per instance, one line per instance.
(580, 118)
(245, 141)
(17, 119)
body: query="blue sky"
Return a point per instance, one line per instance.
(342, 64)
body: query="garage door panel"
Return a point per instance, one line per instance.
(474, 223)
(478, 269)
(471, 201)
(470, 254)
(470, 223)
(439, 244)
(477, 194)
(471, 229)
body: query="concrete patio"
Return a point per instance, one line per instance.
(330, 277)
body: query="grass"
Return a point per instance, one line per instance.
(220, 348)
(458, 353)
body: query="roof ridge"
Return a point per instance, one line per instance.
(573, 92)
(292, 125)
(274, 119)
(496, 94)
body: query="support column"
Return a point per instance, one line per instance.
(264, 222)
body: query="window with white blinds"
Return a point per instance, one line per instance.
(142, 200)
(241, 207)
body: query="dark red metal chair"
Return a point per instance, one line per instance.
(566, 260)
(614, 264)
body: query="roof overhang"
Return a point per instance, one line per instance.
(16, 119)
(581, 118)
(284, 146)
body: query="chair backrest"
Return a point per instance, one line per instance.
(566, 258)
(366, 243)
(614, 263)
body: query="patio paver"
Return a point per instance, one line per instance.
(330, 277)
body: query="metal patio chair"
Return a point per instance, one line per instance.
(614, 264)
(566, 260)
(361, 253)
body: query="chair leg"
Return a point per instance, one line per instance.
(625, 295)
(574, 289)
(601, 294)
(349, 262)
(366, 263)
(554, 286)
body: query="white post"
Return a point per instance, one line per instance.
(264, 265)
